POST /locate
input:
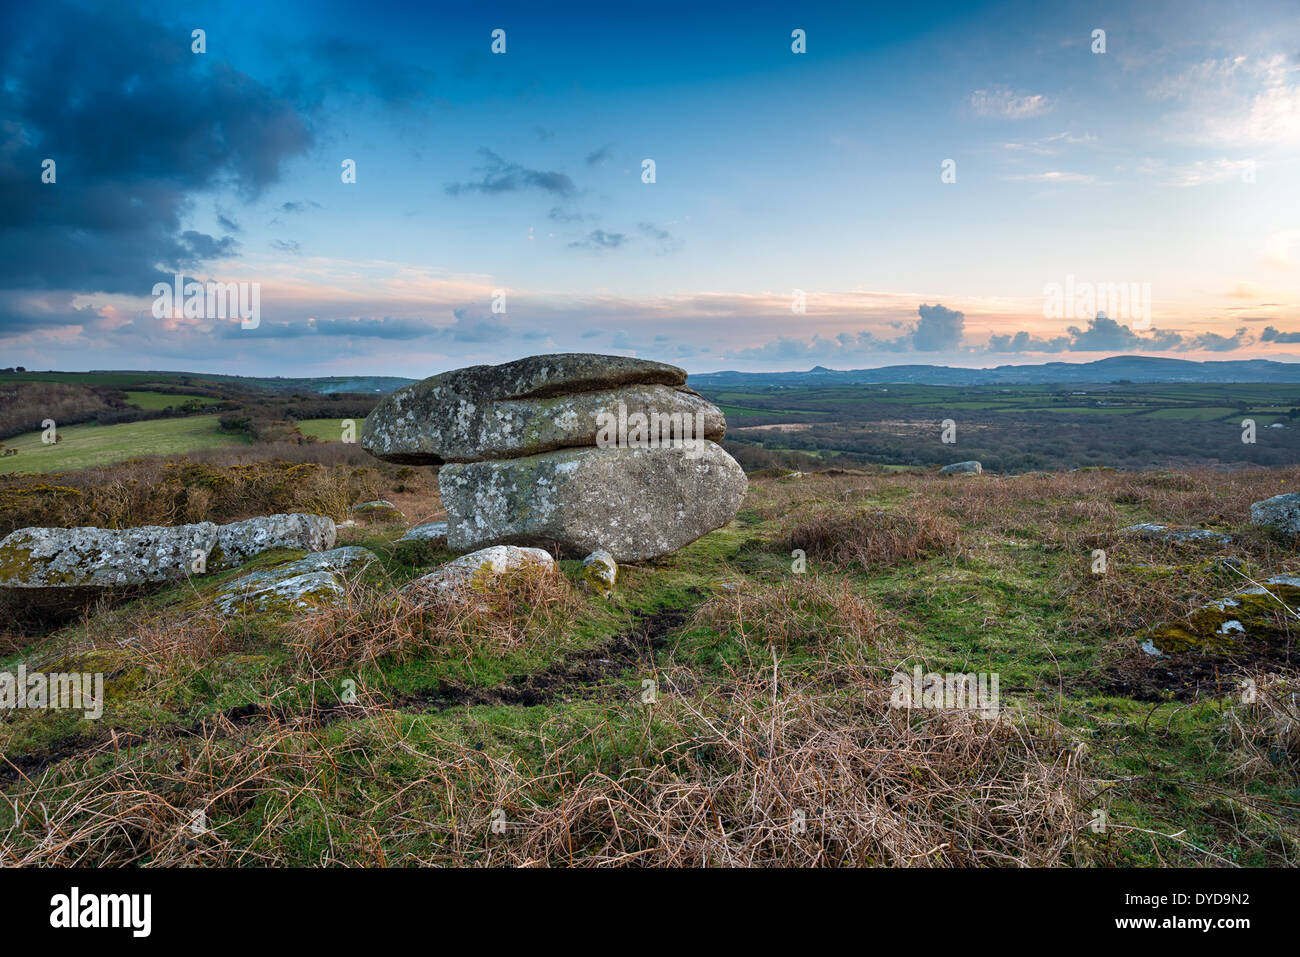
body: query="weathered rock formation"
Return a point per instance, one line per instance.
(634, 503)
(577, 452)
(1176, 534)
(526, 407)
(240, 541)
(104, 557)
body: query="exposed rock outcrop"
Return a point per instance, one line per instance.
(634, 503)
(104, 557)
(600, 572)
(576, 452)
(527, 407)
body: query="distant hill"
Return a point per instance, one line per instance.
(1114, 369)
(319, 385)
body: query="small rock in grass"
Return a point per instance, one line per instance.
(435, 533)
(477, 569)
(1281, 512)
(380, 511)
(599, 572)
(1175, 534)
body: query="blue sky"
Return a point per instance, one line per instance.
(1169, 161)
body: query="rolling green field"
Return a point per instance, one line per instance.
(326, 430)
(83, 446)
(163, 400)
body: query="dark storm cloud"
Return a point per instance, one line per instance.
(500, 176)
(138, 126)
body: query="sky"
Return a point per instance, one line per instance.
(919, 185)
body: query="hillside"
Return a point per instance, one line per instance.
(1102, 371)
(724, 706)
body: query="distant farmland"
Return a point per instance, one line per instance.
(83, 446)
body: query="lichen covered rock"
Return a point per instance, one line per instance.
(378, 511)
(1281, 512)
(531, 406)
(971, 467)
(104, 557)
(302, 584)
(477, 570)
(1259, 615)
(434, 533)
(634, 503)
(240, 541)
(1176, 534)
(600, 572)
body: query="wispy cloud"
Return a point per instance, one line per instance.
(1006, 104)
(1055, 176)
(500, 176)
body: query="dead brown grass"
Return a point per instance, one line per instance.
(1264, 732)
(810, 610)
(376, 622)
(848, 535)
(758, 774)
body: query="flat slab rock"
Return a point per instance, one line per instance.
(107, 558)
(294, 586)
(531, 406)
(1177, 534)
(633, 503)
(104, 557)
(240, 541)
(971, 467)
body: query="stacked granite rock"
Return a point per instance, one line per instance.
(520, 465)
